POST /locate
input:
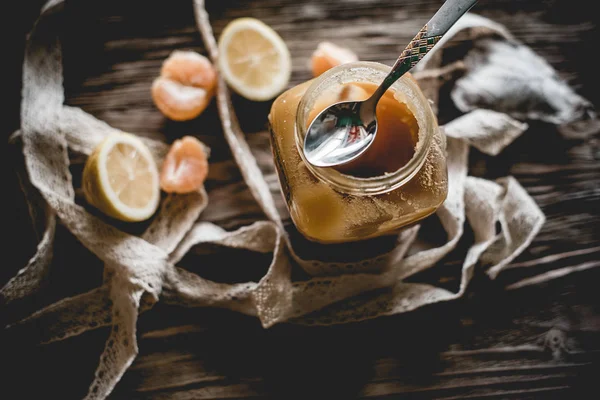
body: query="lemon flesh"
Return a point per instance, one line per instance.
(120, 178)
(253, 59)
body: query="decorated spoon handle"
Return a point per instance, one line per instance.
(423, 42)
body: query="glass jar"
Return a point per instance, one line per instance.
(330, 206)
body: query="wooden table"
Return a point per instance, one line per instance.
(540, 341)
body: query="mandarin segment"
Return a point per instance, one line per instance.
(185, 87)
(329, 55)
(185, 168)
(177, 101)
(191, 69)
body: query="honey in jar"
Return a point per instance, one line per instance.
(399, 180)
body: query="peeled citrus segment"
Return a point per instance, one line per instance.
(178, 101)
(185, 85)
(185, 167)
(120, 178)
(328, 55)
(190, 69)
(253, 59)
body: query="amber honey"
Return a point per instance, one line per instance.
(401, 179)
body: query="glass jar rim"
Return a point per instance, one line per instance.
(375, 72)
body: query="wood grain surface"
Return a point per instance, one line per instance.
(509, 338)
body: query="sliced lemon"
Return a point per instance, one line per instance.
(120, 178)
(253, 59)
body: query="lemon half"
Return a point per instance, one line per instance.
(120, 178)
(253, 59)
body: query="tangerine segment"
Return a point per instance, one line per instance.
(185, 168)
(185, 86)
(328, 55)
(178, 101)
(191, 69)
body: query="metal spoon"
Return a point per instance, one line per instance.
(344, 131)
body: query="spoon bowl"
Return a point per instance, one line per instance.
(339, 135)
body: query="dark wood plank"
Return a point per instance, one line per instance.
(540, 341)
